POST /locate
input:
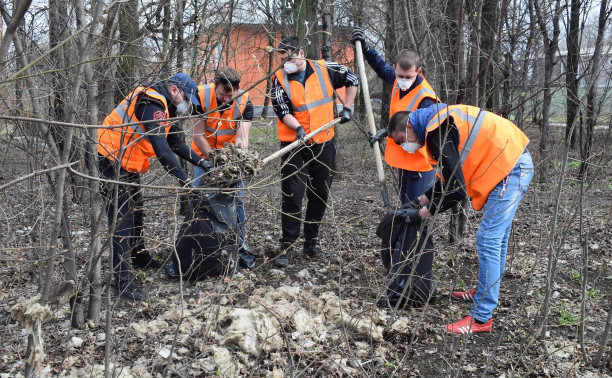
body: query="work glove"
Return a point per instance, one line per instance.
(205, 164)
(411, 215)
(380, 135)
(414, 204)
(301, 133)
(345, 114)
(359, 35)
(187, 184)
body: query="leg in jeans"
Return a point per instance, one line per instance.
(319, 184)
(413, 184)
(492, 236)
(121, 245)
(241, 214)
(293, 185)
(198, 172)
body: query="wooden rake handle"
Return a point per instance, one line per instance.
(297, 143)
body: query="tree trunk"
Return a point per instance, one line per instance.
(551, 43)
(228, 32)
(475, 53)
(180, 30)
(592, 110)
(571, 75)
(327, 23)
(125, 76)
(459, 212)
(11, 29)
(271, 43)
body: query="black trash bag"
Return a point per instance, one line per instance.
(409, 264)
(247, 259)
(207, 244)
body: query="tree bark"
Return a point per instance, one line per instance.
(592, 111)
(571, 75)
(11, 29)
(125, 76)
(327, 23)
(551, 43)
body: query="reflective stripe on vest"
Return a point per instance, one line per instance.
(395, 156)
(474, 130)
(130, 144)
(423, 92)
(311, 102)
(314, 104)
(489, 147)
(206, 104)
(220, 126)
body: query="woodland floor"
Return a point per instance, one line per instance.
(319, 317)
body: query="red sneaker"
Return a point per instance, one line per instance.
(467, 296)
(469, 325)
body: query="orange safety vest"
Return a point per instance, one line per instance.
(220, 127)
(395, 156)
(313, 103)
(129, 144)
(489, 147)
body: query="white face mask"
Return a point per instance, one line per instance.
(411, 147)
(290, 67)
(183, 107)
(404, 84)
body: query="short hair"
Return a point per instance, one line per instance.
(290, 44)
(408, 59)
(228, 78)
(398, 122)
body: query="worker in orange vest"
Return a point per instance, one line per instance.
(481, 155)
(124, 152)
(410, 92)
(227, 122)
(302, 97)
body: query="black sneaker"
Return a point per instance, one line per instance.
(130, 292)
(311, 248)
(144, 260)
(171, 272)
(284, 259)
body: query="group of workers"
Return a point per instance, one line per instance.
(475, 153)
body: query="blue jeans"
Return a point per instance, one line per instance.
(493, 233)
(198, 172)
(413, 184)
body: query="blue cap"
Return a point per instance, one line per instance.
(185, 83)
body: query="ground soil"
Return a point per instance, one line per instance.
(415, 346)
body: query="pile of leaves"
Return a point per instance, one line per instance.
(231, 164)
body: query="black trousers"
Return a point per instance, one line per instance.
(128, 235)
(307, 168)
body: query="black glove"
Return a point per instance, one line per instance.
(359, 35)
(411, 215)
(186, 184)
(345, 114)
(205, 164)
(380, 135)
(301, 133)
(414, 204)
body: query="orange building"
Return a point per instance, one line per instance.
(248, 53)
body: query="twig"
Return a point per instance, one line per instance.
(26, 177)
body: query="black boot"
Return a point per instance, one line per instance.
(170, 271)
(285, 257)
(130, 292)
(311, 248)
(142, 259)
